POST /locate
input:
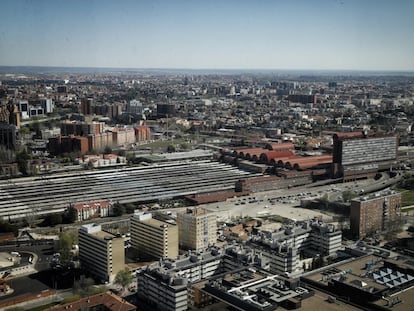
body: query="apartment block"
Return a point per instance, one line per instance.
(153, 238)
(101, 253)
(375, 212)
(197, 228)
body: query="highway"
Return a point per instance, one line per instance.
(46, 194)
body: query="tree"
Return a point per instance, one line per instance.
(123, 278)
(21, 158)
(84, 287)
(185, 146)
(170, 148)
(70, 216)
(66, 241)
(119, 209)
(107, 150)
(53, 219)
(348, 195)
(7, 227)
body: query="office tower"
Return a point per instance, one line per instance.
(360, 155)
(101, 253)
(197, 228)
(153, 238)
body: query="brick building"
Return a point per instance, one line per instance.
(376, 212)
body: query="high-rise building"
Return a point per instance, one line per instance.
(197, 228)
(360, 155)
(8, 135)
(165, 110)
(376, 212)
(135, 107)
(101, 253)
(152, 237)
(86, 106)
(142, 133)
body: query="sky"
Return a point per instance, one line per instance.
(209, 34)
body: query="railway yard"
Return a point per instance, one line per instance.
(54, 193)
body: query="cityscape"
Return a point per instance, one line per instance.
(206, 155)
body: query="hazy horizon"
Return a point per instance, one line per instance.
(335, 35)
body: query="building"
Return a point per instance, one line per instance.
(368, 282)
(303, 98)
(142, 133)
(100, 141)
(152, 237)
(81, 128)
(375, 212)
(197, 228)
(165, 110)
(282, 249)
(67, 144)
(360, 155)
(23, 106)
(8, 135)
(135, 107)
(93, 209)
(103, 301)
(165, 284)
(46, 104)
(86, 106)
(101, 253)
(123, 136)
(252, 290)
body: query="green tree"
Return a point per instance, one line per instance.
(119, 209)
(21, 158)
(185, 146)
(107, 150)
(84, 287)
(70, 216)
(348, 195)
(123, 278)
(6, 227)
(170, 148)
(65, 243)
(53, 219)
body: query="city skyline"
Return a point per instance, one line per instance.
(263, 35)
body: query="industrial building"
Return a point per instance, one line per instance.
(152, 237)
(374, 212)
(101, 253)
(197, 228)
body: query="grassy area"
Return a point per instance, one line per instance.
(407, 197)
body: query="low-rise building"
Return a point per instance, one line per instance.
(93, 209)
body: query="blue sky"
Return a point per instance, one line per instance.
(213, 34)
